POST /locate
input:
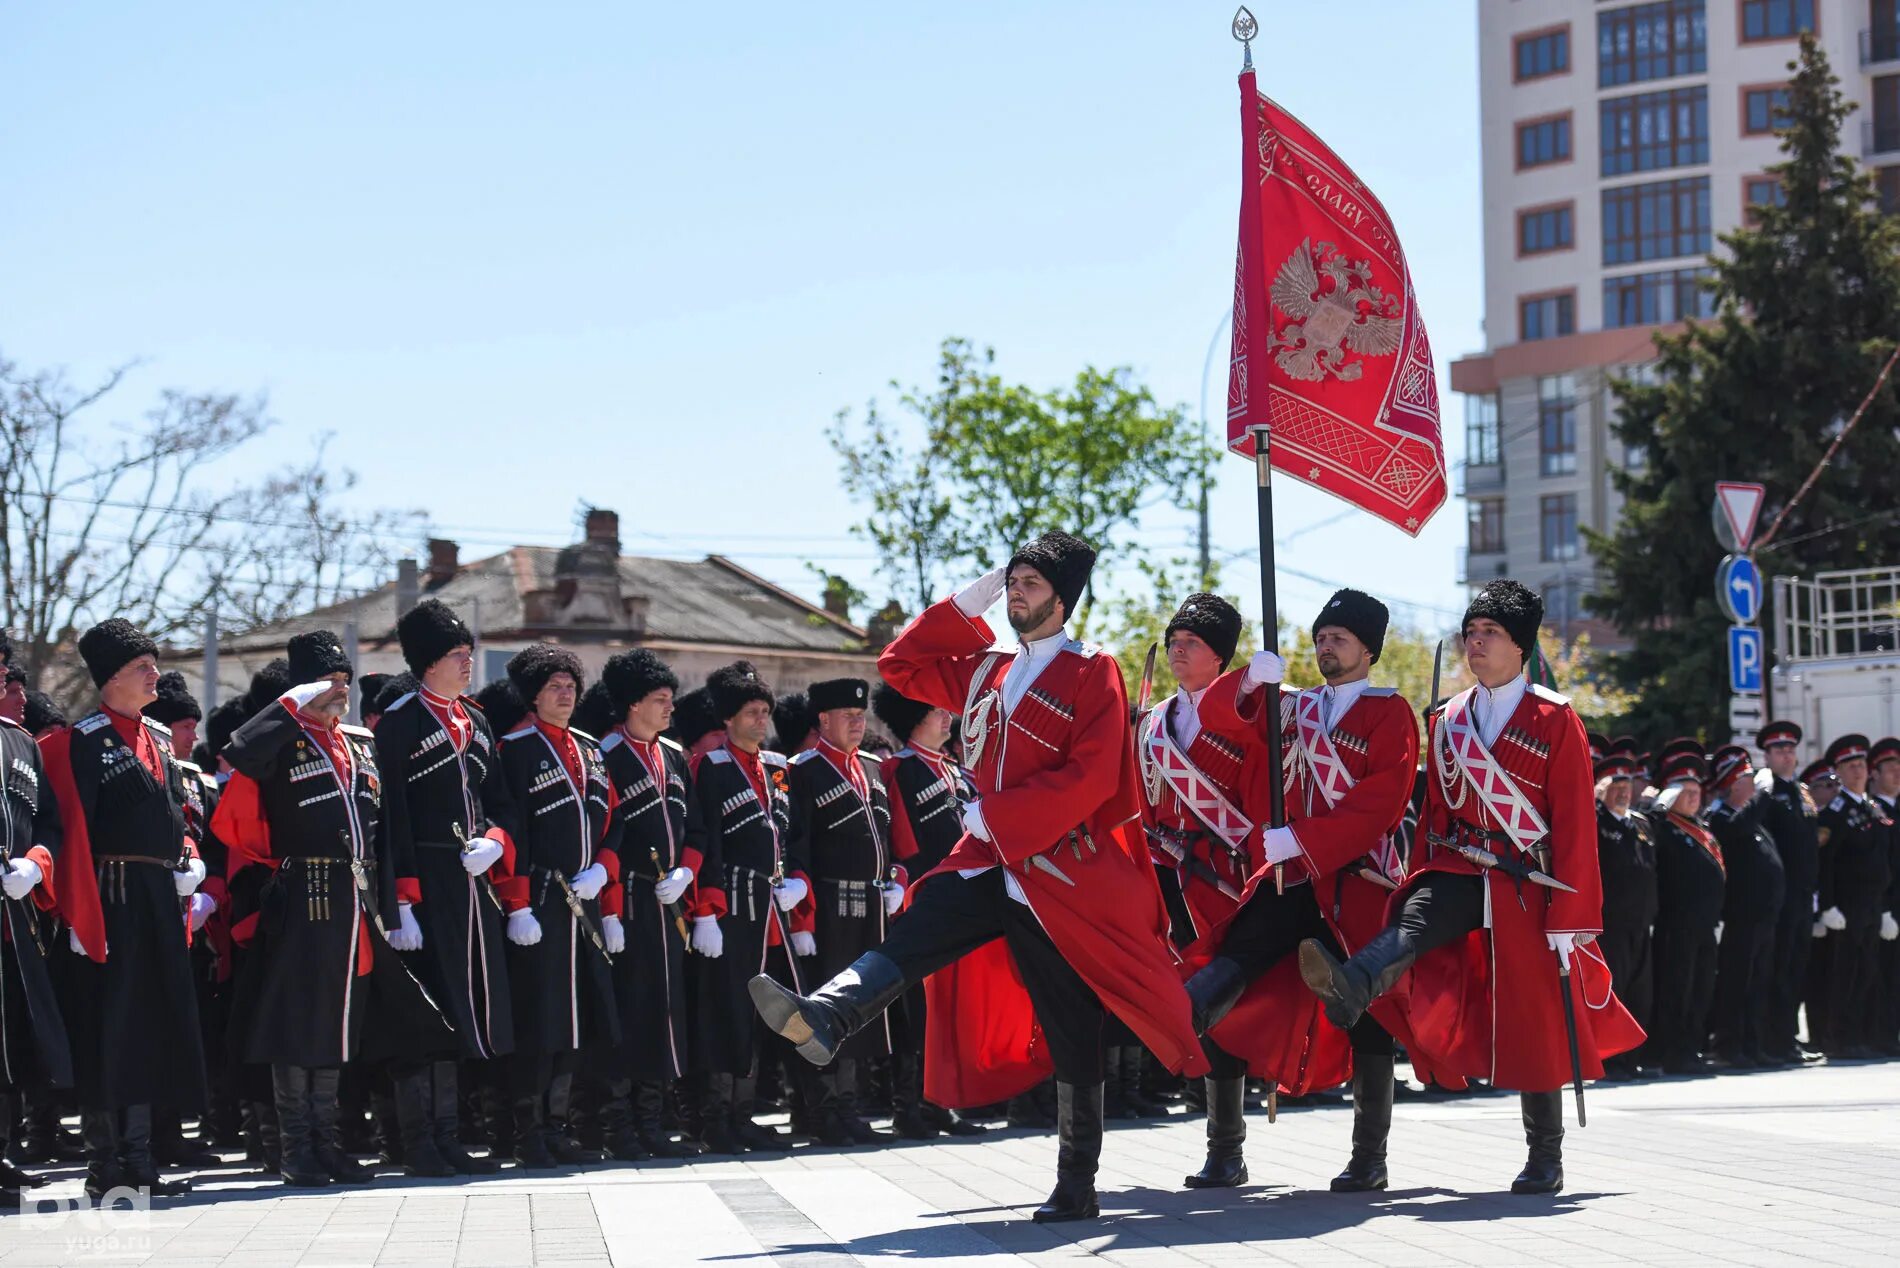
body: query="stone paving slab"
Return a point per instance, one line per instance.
(1796, 1166)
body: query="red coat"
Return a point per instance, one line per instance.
(1488, 1006)
(1062, 759)
(1278, 1025)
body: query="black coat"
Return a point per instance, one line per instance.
(33, 1048)
(1792, 820)
(1856, 867)
(926, 808)
(1690, 885)
(1626, 853)
(1755, 882)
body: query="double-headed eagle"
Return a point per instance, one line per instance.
(1335, 311)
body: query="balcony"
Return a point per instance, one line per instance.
(1879, 136)
(1480, 477)
(1479, 567)
(1879, 45)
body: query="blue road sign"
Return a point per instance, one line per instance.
(1744, 659)
(1738, 586)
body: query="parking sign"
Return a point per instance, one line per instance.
(1744, 659)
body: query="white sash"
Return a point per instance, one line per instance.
(1482, 774)
(1326, 771)
(1163, 759)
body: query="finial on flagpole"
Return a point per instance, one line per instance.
(1245, 28)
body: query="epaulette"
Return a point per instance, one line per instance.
(466, 701)
(718, 756)
(518, 732)
(400, 701)
(186, 764)
(1542, 692)
(799, 759)
(1381, 691)
(576, 731)
(1839, 802)
(673, 744)
(770, 758)
(1087, 651)
(613, 741)
(209, 780)
(158, 726)
(87, 725)
(361, 732)
(906, 751)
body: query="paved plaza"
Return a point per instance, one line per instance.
(1783, 1167)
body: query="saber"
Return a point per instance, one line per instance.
(483, 883)
(1378, 878)
(1510, 867)
(1438, 665)
(1191, 864)
(580, 914)
(364, 890)
(1147, 681)
(1042, 862)
(677, 910)
(1570, 1032)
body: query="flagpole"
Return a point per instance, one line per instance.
(1254, 284)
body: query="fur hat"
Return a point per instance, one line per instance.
(110, 646)
(530, 668)
(792, 722)
(734, 686)
(267, 684)
(428, 632)
(838, 693)
(595, 713)
(1512, 606)
(1361, 615)
(41, 713)
(501, 704)
(224, 720)
(693, 717)
(898, 712)
(632, 676)
(1211, 619)
(394, 687)
(317, 654)
(1064, 562)
(174, 703)
(369, 690)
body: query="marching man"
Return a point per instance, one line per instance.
(1493, 946)
(1046, 914)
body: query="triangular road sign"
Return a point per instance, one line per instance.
(1741, 504)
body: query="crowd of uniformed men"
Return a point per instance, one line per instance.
(521, 926)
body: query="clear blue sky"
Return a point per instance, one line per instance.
(638, 255)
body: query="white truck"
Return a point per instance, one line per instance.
(1835, 656)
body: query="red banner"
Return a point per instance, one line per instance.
(1329, 349)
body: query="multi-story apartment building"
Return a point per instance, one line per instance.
(1619, 140)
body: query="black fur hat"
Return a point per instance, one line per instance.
(393, 688)
(734, 686)
(1361, 615)
(1064, 562)
(1513, 606)
(317, 654)
(1211, 619)
(174, 703)
(370, 689)
(838, 693)
(595, 713)
(41, 713)
(792, 722)
(898, 712)
(267, 684)
(693, 717)
(110, 646)
(501, 704)
(530, 669)
(224, 720)
(632, 676)
(428, 632)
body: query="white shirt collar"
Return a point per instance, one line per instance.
(1032, 657)
(1184, 720)
(1496, 705)
(1852, 796)
(1340, 697)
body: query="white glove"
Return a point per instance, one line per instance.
(1718, 933)
(789, 892)
(1889, 927)
(480, 855)
(19, 881)
(589, 881)
(301, 696)
(973, 820)
(1834, 919)
(614, 934)
(893, 897)
(202, 905)
(1820, 929)
(1564, 944)
(1280, 844)
(804, 943)
(669, 887)
(707, 940)
(1265, 667)
(187, 881)
(981, 595)
(523, 929)
(407, 935)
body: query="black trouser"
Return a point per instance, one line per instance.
(951, 916)
(1742, 965)
(1685, 980)
(1788, 971)
(1853, 992)
(1627, 950)
(1267, 930)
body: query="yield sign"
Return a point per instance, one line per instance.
(1740, 504)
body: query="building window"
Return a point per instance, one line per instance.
(1563, 605)
(1651, 41)
(1776, 19)
(1766, 191)
(1657, 221)
(1482, 446)
(1887, 186)
(1542, 141)
(1547, 316)
(1540, 53)
(1484, 526)
(1885, 124)
(1654, 130)
(1557, 520)
(1764, 110)
(1557, 424)
(1546, 229)
(1647, 299)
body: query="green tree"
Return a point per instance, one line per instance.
(1807, 308)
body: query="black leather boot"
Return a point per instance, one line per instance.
(12, 1179)
(949, 1122)
(1226, 1133)
(99, 1129)
(616, 1123)
(171, 1148)
(1372, 1089)
(415, 1119)
(135, 1153)
(560, 1132)
(270, 1147)
(908, 1118)
(818, 1023)
(1078, 1153)
(326, 1127)
(844, 1097)
(298, 1163)
(715, 1115)
(1346, 988)
(39, 1134)
(445, 1108)
(749, 1134)
(1544, 1132)
(649, 1123)
(1214, 990)
(531, 1130)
